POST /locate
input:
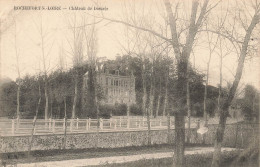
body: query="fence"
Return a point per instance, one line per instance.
(11, 127)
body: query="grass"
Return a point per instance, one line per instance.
(242, 159)
(195, 160)
(59, 155)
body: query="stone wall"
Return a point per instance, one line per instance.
(86, 140)
(235, 136)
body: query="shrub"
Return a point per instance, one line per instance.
(135, 109)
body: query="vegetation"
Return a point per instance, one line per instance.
(61, 91)
(250, 103)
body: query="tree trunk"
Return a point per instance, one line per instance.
(95, 93)
(158, 100)
(189, 111)
(219, 139)
(166, 93)
(34, 123)
(144, 89)
(46, 114)
(179, 114)
(73, 116)
(18, 71)
(18, 100)
(65, 117)
(158, 105)
(168, 127)
(205, 114)
(151, 98)
(220, 80)
(148, 126)
(59, 111)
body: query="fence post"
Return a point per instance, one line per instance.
(49, 123)
(128, 123)
(236, 136)
(198, 124)
(71, 124)
(17, 123)
(115, 121)
(86, 124)
(53, 126)
(13, 126)
(101, 123)
(196, 134)
(160, 123)
(89, 123)
(77, 123)
(64, 123)
(143, 121)
(110, 124)
(120, 122)
(34, 128)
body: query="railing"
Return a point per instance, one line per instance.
(10, 127)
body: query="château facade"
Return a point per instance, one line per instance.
(117, 88)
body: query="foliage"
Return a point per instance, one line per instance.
(61, 90)
(250, 103)
(8, 99)
(194, 160)
(135, 109)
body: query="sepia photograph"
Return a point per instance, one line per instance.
(129, 83)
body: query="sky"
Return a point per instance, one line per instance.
(110, 38)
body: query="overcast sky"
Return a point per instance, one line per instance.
(110, 39)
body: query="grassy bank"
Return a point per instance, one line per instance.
(195, 160)
(58, 155)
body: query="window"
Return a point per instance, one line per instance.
(111, 81)
(106, 81)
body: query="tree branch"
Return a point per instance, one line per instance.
(134, 26)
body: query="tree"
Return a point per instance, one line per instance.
(248, 27)
(182, 54)
(18, 70)
(44, 34)
(76, 47)
(250, 103)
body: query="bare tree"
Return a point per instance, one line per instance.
(243, 45)
(182, 62)
(34, 120)
(182, 53)
(188, 104)
(159, 98)
(45, 47)
(211, 50)
(76, 47)
(6, 22)
(90, 35)
(17, 56)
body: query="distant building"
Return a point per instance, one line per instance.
(117, 87)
